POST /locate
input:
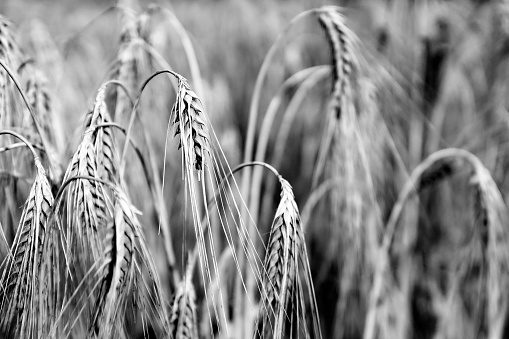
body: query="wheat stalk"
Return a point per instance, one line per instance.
(181, 32)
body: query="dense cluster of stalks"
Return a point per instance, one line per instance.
(370, 203)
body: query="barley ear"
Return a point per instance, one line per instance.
(104, 141)
(87, 210)
(285, 259)
(183, 318)
(40, 99)
(117, 278)
(344, 62)
(10, 54)
(19, 298)
(188, 119)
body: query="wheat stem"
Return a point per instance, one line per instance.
(188, 47)
(66, 45)
(133, 114)
(23, 139)
(18, 145)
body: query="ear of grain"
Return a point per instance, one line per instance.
(285, 261)
(131, 60)
(20, 308)
(123, 282)
(183, 317)
(492, 213)
(87, 211)
(117, 277)
(87, 206)
(37, 91)
(282, 253)
(494, 217)
(189, 122)
(50, 297)
(353, 149)
(343, 57)
(142, 278)
(10, 54)
(103, 139)
(43, 47)
(345, 73)
(40, 99)
(386, 296)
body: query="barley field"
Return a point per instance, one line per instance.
(254, 169)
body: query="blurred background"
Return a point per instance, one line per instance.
(438, 73)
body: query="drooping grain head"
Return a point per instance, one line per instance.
(40, 99)
(9, 54)
(142, 277)
(342, 109)
(124, 281)
(42, 46)
(103, 138)
(118, 277)
(127, 71)
(183, 318)
(129, 65)
(20, 296)
(284, 250)
(188, 120)
(493, 216)
(353, 151)
(344, 59)
(87, 211)
(359, 157)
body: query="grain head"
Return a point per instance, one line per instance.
(20, 298)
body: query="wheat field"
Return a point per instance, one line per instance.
(272, 169)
